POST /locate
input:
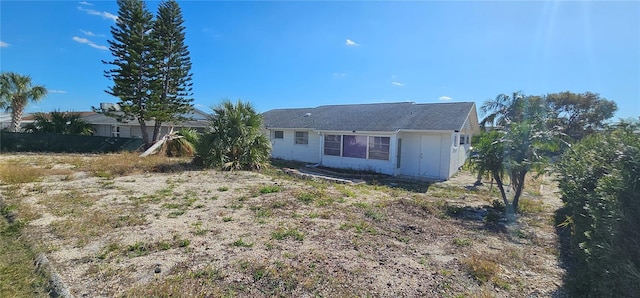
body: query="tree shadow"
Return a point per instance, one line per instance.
(356, 176)
(567, 259)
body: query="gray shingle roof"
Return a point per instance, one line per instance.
(96, 118)
(373, 117)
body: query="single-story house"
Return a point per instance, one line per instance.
(5, 120)
(105, 126)
(424, 141)
(108, 126)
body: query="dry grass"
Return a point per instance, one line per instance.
(13, 173)
(263, 235)
(481, 268)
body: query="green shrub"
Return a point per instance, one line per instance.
(234, 139)
(598, 180)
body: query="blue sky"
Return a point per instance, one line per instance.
(305, 54)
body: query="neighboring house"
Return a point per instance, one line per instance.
(105, 126)
(5, 120)
(426, 141)
(109, 126)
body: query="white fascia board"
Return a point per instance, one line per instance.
(426, 131)
(358, 132)
(289, 128)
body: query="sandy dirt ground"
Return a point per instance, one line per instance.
(209, 233)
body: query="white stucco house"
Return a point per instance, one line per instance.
(417, 140)
(105, 126)
(110, 127)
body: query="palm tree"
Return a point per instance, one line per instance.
(505, 109)
(60, 122)
(235, 139)
(520, 146)
(15, 93)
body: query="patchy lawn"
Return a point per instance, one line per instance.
(119, 225)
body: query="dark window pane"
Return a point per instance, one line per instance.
(302, 137)
(278, 134)
(354, 146)
(379, 148)
(332, 145)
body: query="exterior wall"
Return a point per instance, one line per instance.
(286, 148)
(459, 156)
(127, 131)
(102, 130)
(426, 155)
(375, 165)
(422, 155)
(136, 131)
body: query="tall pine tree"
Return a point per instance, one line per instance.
(133, 71)
(172, 89)
(151, 72)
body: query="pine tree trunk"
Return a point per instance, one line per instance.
(156, 131)
(145, 135)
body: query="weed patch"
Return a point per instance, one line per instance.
(281, 234)
(269, 189)
(241, 243)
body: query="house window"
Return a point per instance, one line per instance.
(463, 139)
(354, 146)
(115, 131)
(379, 148)
(332, 144)
(302, 137)
(278, 134)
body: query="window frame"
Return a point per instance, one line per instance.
(301, 140)
(339, 147)
(275, 134)
(354, 149)
(377, 148)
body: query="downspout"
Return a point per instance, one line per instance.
(321, 146)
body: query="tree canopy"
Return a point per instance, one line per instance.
(60, 122)
(518, 147)
(16, 91)
(579, 114)
(151, 66)
(170, 99)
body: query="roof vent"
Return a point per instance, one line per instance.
(307, 114)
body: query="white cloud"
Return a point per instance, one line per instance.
(339, 75)
(85, 3)
(3, 44)
(445, 98)
(351, 43)
(56, 91)
(89, 33)
(397, 84)
(90, 43)
(103, 14)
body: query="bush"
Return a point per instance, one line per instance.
(234, 139)
(598, 180)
